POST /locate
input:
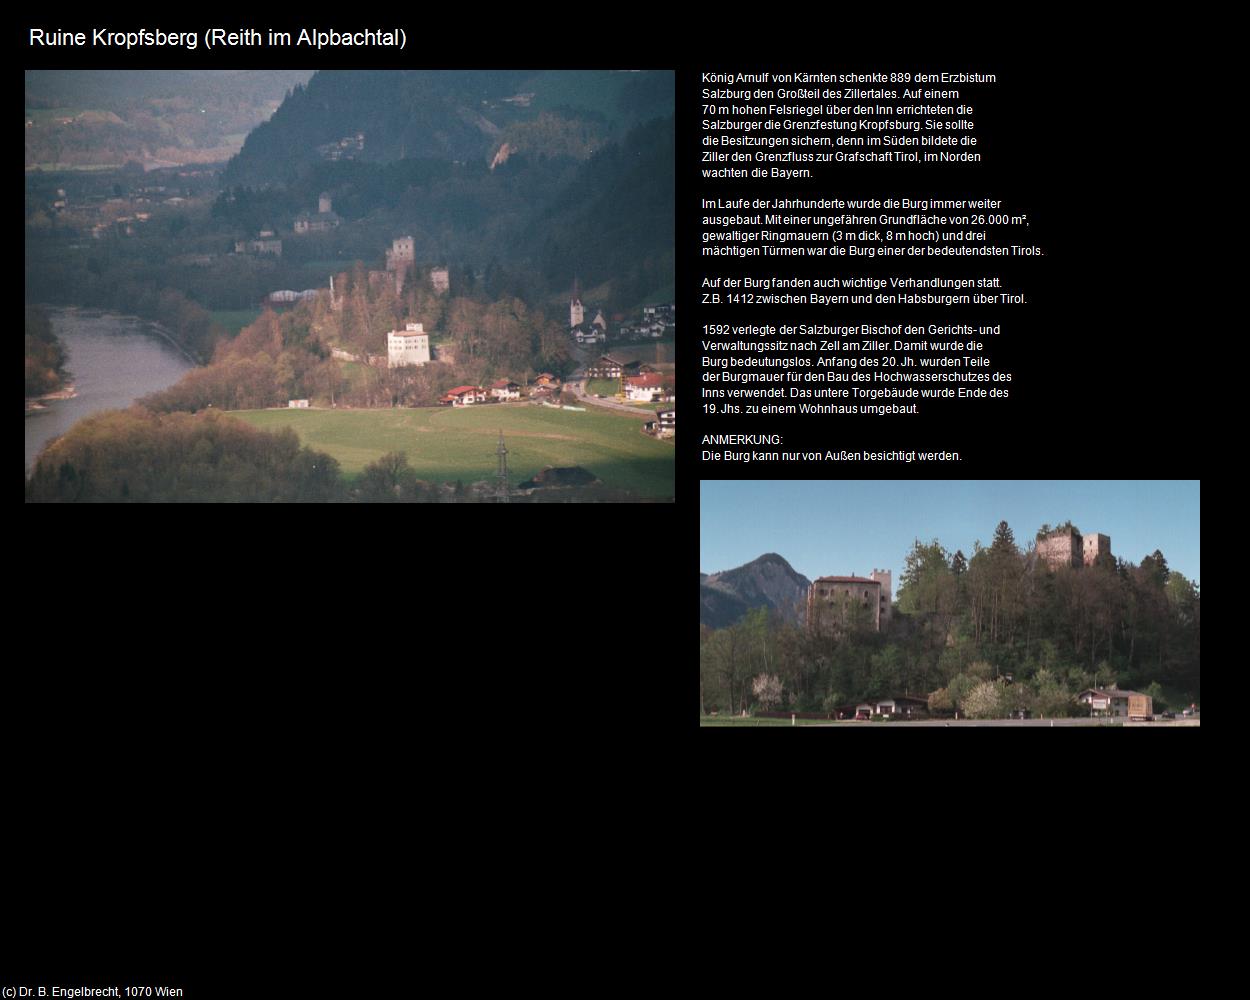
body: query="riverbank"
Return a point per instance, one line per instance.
(40, 402)
(153, 325)
(114, 359)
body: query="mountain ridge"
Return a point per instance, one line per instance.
(381, 116)
(768, 581)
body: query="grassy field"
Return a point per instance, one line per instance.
(234, 320)
(603, 386)
(445, 444)
(644, 352)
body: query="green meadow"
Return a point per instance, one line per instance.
(445, 444)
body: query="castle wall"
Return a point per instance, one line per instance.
(828, 596)
(1070, 548)
(1064, 549)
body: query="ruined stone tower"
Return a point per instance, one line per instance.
(1061, 548)
(1068, 547)
(1095, 546)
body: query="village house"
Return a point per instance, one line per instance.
(646, 388)
(297, 404)
(1114, 702)
(410, 346)
(546, 379)
(605, 367)
(264, 245)
(657, 321)
(903, 706)
(664, 420)
(464, 395)
(345, 148)
(589, 333)
(898, 707)
(594, 332)
(503, 389)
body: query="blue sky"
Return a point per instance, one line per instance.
(839, 527)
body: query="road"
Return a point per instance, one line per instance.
(1015, 723)
(643, 413)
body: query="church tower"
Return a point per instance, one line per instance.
(577, 314)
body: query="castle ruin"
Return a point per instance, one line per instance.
(1068, 547)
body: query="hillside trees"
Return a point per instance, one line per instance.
(45, 355)
(1055, 631)
(135, 454)
(724, 668)
(390, 478)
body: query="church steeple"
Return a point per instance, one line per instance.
(576, 313)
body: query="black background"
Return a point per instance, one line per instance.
(201, 719)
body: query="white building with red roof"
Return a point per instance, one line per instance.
(646, 388)
(464, 395)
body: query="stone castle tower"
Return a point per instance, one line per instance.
(401, 254)
(884, 577)
(829, 599)
(1068, 547)
(1095, 546)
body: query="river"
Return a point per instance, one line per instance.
(112, 360)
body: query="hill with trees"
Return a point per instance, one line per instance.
(45, 354)
(136, 455)
(516, 181)
(460, 115)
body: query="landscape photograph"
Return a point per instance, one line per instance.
(963, 603)
(448, 286)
